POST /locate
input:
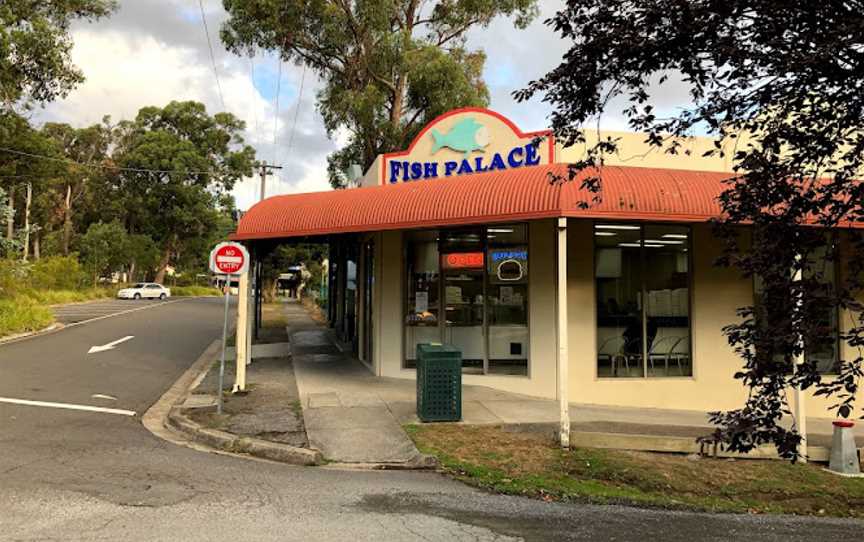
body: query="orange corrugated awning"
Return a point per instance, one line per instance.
(629, 193)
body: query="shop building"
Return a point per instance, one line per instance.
(462, 239)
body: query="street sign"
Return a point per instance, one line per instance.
(229, 259)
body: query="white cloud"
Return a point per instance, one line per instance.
(149, 53)
(123, 75)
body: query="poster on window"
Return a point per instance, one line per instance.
(422, 302)
(509, 264)
(506, 295)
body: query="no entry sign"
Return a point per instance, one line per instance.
(229, 259)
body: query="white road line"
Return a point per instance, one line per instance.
(67, 406)
(162, 304)
(66, 325)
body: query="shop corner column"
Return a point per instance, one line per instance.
(561, 333)
(241, 342)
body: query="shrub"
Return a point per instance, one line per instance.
(13, 277)
(56, 273)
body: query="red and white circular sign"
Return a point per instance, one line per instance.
(229, 259)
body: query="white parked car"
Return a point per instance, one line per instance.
(145, 290)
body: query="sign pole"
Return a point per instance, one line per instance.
(224, 339)
(228, 259)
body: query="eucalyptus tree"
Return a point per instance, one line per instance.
(387, 67)
(174, 166)
(86, 152)
(35, 46)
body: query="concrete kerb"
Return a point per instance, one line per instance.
(228, 442)
(21, 336)
(167, 416)
(651, 443)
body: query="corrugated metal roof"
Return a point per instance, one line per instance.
(631, 193)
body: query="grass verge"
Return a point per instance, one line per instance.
(22, 314)
(60, 297)
(532, 465)
(29, 309)
(195, 291)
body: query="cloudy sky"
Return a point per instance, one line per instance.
(153, 51)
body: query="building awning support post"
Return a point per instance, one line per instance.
(800, 411)
(243, 335)
(561, 333)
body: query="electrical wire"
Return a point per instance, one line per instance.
(276, 99)
(297, 110)
(254, 138)
(104, 166)
(212, 56)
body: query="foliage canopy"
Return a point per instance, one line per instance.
(779, 83)
(387, 67)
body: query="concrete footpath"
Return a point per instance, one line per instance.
(346, 426)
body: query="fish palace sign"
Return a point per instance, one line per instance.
(471, 140)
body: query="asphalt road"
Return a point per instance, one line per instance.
(79, 312)
(80, 475)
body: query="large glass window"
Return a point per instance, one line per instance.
(823, 347)
(468, 287)
(423, 310)
(643, 300)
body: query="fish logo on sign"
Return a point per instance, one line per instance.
(466, 136)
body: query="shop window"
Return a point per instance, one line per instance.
(823, 347)
(468, 287)
(642, 277)
(507, 306)
(423, 309)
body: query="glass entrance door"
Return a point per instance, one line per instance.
(463, 261)
(469, 288)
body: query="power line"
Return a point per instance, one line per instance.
(212, 56)
(254, 97)
(297, 111)
(276, 99)
(104, 166)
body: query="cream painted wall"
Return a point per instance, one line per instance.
(388, 313)
(635, 152)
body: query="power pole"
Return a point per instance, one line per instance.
(263, 172)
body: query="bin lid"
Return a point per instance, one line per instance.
(434, 348)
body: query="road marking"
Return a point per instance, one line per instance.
(63, 325)
(109, 346)
(67, 406)
(103, 396)
(145, 307)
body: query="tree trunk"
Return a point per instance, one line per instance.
(27, 202)
(131, 277)
(163, 266)
(67, 220)
(10, 222)
(37, 241)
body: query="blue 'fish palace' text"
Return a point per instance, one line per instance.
(415, 171)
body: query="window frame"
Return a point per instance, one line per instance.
(838, 343)
(690, 281)
(439, 232)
